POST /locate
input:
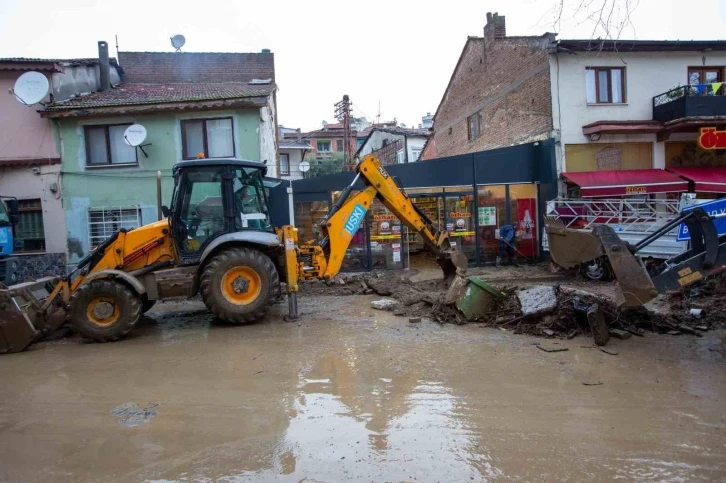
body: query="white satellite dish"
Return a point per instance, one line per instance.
(31, 88)
(177, 42)
(135, 135)
(304, 166)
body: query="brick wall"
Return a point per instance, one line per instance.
(387, 154)
(508, 81)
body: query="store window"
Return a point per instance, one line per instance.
(459, 220)
(387, 248)
(308, 216)
(29, 233)
(492, 211)
(523, 214)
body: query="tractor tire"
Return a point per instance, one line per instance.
(104, 310)
(238, 284)
(147, 305)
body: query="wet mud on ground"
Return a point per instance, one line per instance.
(354, 394)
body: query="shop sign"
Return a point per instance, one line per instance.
(396, 229)
(383, 217)
(712, 139)
(635, 190)
(460, 224)
(487, 216)
(460, 215)
(449, 227)
(713, 208)
(396, 246)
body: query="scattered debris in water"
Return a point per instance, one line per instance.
(131, 414)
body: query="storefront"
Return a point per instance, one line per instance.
(471, 197)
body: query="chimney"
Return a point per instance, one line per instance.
(496, 27)
(104, 76)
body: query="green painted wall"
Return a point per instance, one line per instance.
(93, 188)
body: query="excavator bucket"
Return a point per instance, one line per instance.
(570, 248)
(22, 320)
(450, 262)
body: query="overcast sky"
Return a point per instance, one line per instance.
(398, 53)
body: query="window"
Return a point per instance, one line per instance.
(399, 157)
(105, 146)
(29, 233)
(212, 137)
(475, 124)
(284, 164)
(103, 223)
(250, 200)
(415, 154)
(605, 85)
(339, 145)
(705, 75)
(323, 146)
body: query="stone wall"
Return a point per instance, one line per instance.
(32, 267)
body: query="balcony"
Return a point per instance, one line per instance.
(689, 102)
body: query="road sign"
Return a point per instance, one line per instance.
(715, 207)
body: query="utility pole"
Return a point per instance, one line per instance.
(343, 114)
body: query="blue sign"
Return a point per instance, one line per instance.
(6, 240)
(715, 207)
(356, 216)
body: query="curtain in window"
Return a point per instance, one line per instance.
(121, 153)
(590, 86)
(617, 83)
(602, 81)
(284, 164)
(193, 138)
(96, 140)
(219, 138)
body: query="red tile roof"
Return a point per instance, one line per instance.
(136, 94)
(182, 67)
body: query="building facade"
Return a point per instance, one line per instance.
(191, 105)
(30, 159)
(394, 145)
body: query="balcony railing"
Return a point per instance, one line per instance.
(689, 101)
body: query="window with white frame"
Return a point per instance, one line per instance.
(105, 222)
(605, 85)
(284, 163)
(213, 138)
(324, 146)
(415, 154)
(105, 146)
(399, 157)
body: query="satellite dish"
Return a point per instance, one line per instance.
(177, 42)
(304, 166)
(31, 88)
(135, 135)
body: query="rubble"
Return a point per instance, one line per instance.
(384, 304)
(537, 300)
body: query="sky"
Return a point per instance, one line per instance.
(396, 54)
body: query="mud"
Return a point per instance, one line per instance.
(354, 394)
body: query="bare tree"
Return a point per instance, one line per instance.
(609, 18)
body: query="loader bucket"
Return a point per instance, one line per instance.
(21, 320)
(570, 248)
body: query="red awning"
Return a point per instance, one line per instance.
(627, 182)
(706, 180)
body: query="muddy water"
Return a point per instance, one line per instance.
(351, 394)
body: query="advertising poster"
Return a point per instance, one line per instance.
(527, 227)
(487, 216)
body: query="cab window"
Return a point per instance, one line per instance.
(250, 200)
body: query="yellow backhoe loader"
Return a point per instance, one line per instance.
(217, 240)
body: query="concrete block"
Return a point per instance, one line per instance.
(537, 300)
(383, 304)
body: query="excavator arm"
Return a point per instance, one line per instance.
(323, 259)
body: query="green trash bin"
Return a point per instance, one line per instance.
(478, 299)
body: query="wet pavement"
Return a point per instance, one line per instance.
(353, 394)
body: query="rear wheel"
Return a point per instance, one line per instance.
(598, 270)
(104, 310)
(238, 284)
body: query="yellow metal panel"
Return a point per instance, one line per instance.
(608, 156)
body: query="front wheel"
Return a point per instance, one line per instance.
(104, 310)
(238, 284)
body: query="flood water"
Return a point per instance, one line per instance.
(353, 394)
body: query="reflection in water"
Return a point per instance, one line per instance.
(388, 429)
